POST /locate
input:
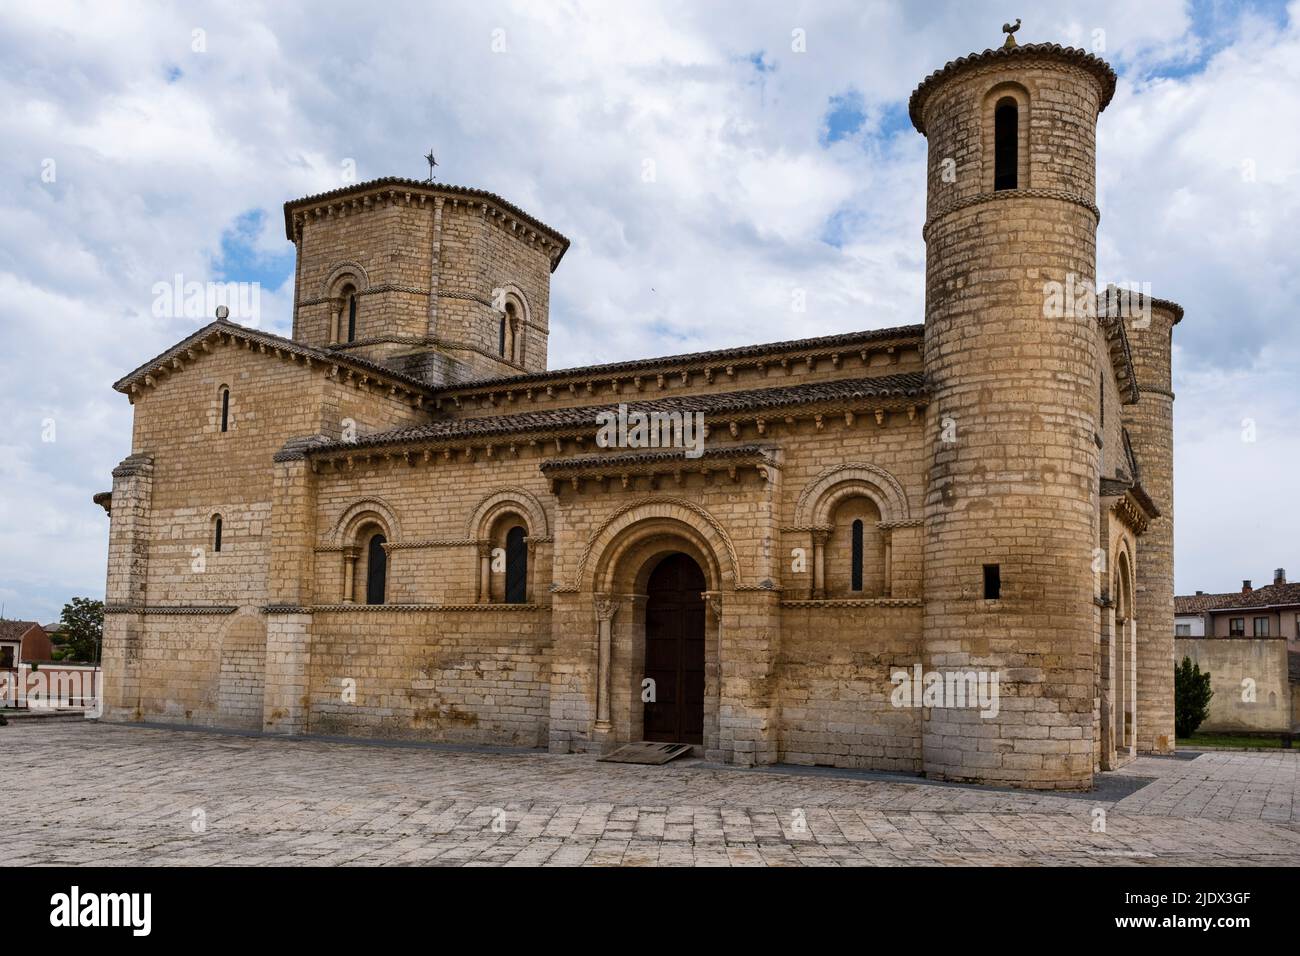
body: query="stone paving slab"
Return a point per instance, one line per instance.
(114, 794)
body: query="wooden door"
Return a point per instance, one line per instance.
(674, 651)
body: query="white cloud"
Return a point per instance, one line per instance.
(151, 173)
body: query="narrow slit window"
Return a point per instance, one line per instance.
(216, 533)
(856, 544)
(501, 336)
(1006, 144)
(992, 582)
(225, 409)
(376, 570)
(352, 317)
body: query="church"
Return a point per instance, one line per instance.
(400, 523)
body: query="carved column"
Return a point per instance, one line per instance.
(485, 572)
(819, 538)
(336, 314)
(529, 595)
(606, 608)
(889, 563)
(350, 556)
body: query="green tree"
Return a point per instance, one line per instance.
(82, 627)
(1191, 697)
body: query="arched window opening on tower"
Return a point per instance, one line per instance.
(856, 538)
(516, 566)
(501, 337)
(1006, 143)
(225, 408)
(216, 533)
(350, 297)
(376, 569)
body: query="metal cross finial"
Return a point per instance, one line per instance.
(432, 163)
(1010, 30)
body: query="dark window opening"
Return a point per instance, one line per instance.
(856, 539)
(376, 570)
(1103, 399)
(501, 337)
(352, 317)
(216, 533)
(992, 582)
(516, 566)
(225, 409)
(1006, 144)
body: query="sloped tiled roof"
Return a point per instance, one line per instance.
(466, 192)
(271, 340)
(1271, 595)
(13, 630)
(713, 357)
(1081, 58)
(905, 385)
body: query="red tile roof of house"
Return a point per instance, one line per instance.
(1271, 595)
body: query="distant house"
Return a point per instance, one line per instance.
(1249, 641)
(1271, 611)
(23, 641)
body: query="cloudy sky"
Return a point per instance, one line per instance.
(144, 142)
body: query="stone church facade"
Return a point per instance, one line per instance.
(400, 523)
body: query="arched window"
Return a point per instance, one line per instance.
(225, 408)
(856, 538)
(376, 569)
(501, 337)
(516, 566)
(350, 298)
(216, 532)
(1006, 143)
(855, 551)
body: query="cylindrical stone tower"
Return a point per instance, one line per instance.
(1150, 425)
(1013, 359)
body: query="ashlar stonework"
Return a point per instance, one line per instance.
(421, 536)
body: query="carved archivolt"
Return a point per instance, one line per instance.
(819, 498)
(695, 518)
(508, 499)
(354, 270)
(376, 509)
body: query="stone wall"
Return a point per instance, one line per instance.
(1263, 704)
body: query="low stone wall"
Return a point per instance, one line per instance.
(1249, 680)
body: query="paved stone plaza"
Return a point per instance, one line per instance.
(78, 792)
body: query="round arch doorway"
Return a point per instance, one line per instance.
(674, 651)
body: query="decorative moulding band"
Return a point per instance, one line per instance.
(170, 609)
(425, 608)
(1005, 194)
(856, 602)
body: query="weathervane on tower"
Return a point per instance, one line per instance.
(432, 163)
(1010, 30)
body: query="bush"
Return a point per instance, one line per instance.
(1191, 697)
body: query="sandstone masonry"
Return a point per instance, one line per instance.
(399, 523)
